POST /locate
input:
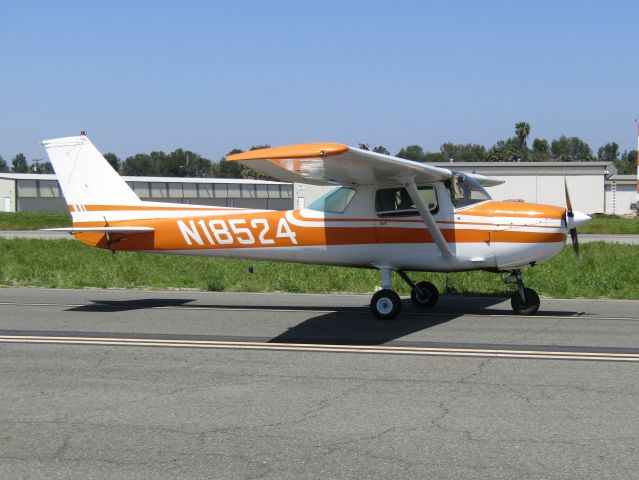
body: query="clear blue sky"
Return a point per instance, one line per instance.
(211, 76)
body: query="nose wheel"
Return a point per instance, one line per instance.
(424, 295)
(524, 301)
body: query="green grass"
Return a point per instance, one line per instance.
(605, 270)
(611, 224)
(34, 220)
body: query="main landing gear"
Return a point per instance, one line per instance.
(524, 301)
(386, 304)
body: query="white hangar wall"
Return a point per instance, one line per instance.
(621, 194)
(586, 192)
(7, 195)
(534, 182)
(543, 182)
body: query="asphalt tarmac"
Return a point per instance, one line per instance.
(139, 384)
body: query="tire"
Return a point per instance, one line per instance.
(386, 304)
(529, 307)
(430, 298)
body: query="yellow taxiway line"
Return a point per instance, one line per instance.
(304, 347)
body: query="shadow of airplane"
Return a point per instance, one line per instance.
(125, 305)
(344, 325)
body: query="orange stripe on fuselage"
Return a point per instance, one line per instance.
(217, 232)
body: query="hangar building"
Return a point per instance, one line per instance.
(37, 192)
(621, 194)
(594, 187)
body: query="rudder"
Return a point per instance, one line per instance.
(85, 176)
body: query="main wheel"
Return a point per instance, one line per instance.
(528, 307)
(427, 298)
(386, 304)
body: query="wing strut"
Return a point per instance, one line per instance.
(429, 221)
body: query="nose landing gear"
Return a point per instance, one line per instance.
(524, 301)
(422, 294)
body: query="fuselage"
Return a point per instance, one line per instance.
(369, 232)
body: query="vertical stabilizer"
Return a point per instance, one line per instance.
(86, 178)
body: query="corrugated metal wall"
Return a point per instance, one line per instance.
(45, 195)
(586, 191)
(625, 195)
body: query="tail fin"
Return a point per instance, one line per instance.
(86, 178)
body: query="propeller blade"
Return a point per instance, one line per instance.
(568, 202)
(575, 241)
(571, 214)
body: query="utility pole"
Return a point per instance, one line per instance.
(637, 199)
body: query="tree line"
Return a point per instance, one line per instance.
(515, 148)
(185, 163)
(178, 163)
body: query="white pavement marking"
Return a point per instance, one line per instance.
(301, 347)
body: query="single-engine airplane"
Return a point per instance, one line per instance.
(385, 213)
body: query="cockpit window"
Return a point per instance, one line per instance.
(396, 202)
(335, 201)
(465, 191)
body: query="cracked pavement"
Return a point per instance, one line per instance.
(74, 411)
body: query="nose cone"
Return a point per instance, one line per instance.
(577, 220)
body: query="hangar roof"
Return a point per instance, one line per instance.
(629, 179)
(533, 168)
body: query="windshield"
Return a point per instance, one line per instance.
(335, 201)
(465, 190)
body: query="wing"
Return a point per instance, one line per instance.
(333, 163)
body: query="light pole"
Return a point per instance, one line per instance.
(637, 199)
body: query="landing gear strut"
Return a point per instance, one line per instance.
(386, 304)
(524, 301)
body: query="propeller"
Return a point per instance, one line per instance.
(570, 217)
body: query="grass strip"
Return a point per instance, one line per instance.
(34, 220)
(611, 224)
(605, 270)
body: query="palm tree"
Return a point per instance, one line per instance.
(522, 130)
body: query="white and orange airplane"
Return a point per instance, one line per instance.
(385, 213)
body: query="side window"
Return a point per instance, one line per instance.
(396, 202)
(335, 201)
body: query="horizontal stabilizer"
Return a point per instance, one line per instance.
(100, 230)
